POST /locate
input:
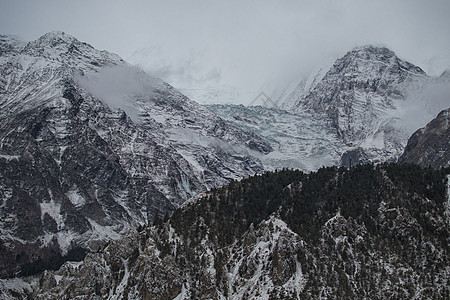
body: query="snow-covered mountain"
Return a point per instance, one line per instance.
(91, 147)
(367, 232)
(361, 109)
(360, 94)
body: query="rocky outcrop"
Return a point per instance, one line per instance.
(353, 157)
(429, 146)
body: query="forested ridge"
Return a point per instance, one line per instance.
(368, 232)
(306, 201)
(387, 214)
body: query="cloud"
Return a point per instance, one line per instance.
(423, 106)
(241, 43)
(250, 42)
(120, 86)
(184, 70)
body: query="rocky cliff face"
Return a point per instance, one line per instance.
(91, 147)
(429, 146)
(366, 232)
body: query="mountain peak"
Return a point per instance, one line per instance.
(150, 149)
(55, 40)
(373, 54)
(373, 49)
(428, 146)
(357, 93)
(58, 46)
(372, 62)
(445, 74)
(57, 36)
(57, 33)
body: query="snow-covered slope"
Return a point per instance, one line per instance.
(300, 140)
(219, 95)
(91, 147)
(290, 98)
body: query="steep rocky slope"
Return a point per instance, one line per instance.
(429, 146)
(366, 232)
(91, 147)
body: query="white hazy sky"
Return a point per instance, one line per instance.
(201, 43)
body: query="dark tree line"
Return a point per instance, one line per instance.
(307, 201)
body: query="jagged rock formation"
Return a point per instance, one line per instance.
(366, 232)
(445, 76)
(91, 147)
(429, 146)
(354, 157)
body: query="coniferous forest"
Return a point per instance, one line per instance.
(368, 232)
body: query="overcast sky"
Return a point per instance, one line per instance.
(202, 43)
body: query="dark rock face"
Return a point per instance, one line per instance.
(429, 146)
(354, 157)
(76, 170)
